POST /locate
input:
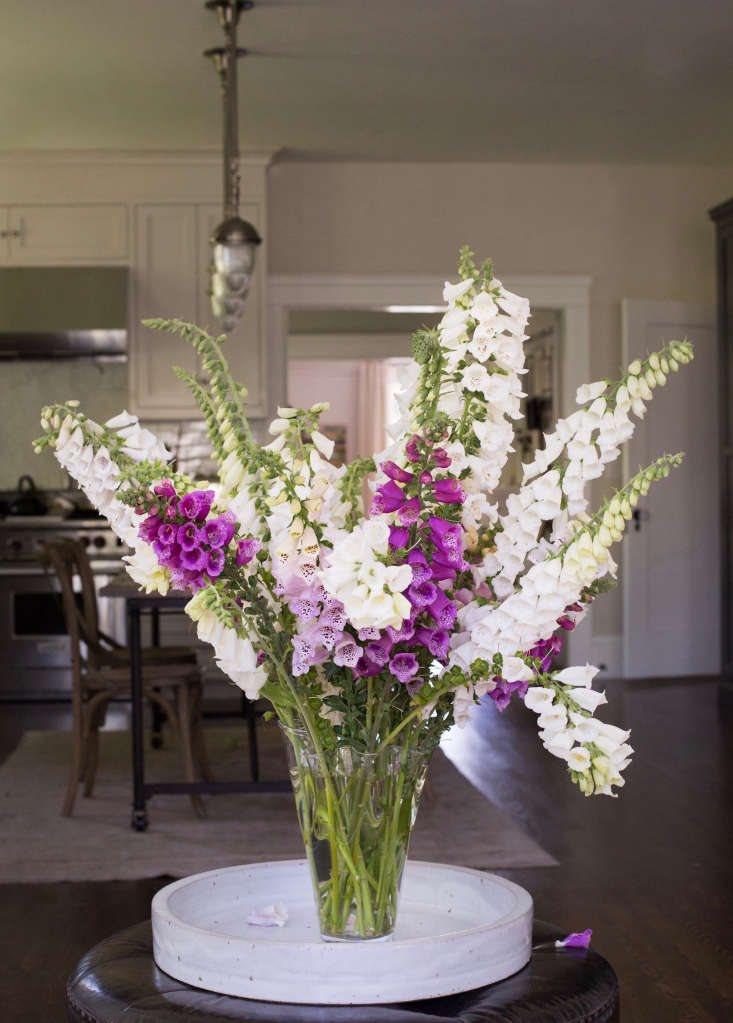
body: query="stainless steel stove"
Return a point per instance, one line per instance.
(34, 646)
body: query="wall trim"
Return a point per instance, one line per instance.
(179, 157)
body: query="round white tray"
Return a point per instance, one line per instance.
(457, 929)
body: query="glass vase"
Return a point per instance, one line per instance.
(356, 811)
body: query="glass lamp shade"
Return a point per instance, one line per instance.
(234, 247)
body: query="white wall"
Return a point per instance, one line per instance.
(638, 231)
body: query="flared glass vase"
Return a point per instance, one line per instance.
(356, 812)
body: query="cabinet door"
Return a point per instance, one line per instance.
(245, 346)
(54, 235)
(163, 284)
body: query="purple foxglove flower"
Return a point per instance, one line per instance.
(327, 635)
(545, 651)
(404, 666)
(426, 477)
(443, 611)
(576, 940)
(440, 570)
(304, 609)
(421, 571)
(566, 623)
(165, 489)
(369, 633)
(196, 504)
(409, 511)
(406, 631)
(376, 651)
(412, 450)
(483, 590)
(214, 562)
(195, 581)
(148, 530)
(193, 560)
(399, 536)
(440, 458)
(365, 668)
(414, 685)
(346, 653)
(307, 651)
(261, 657)
(463, 596)
(246, 550)
(167, 533)
(448, 539)
(437, 641)
(189, 536)
(394, 472)
(502, 694)
(388, 498)
(422, 594)
(219, 531)
(163, 551)
(448, 491)
(333, 615)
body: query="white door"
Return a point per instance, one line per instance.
(671, 571)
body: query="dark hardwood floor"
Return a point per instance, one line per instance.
(651, 872)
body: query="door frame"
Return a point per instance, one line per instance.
(568, 294)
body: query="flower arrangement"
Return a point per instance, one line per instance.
(370, 634)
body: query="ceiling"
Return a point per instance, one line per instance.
(447, 80)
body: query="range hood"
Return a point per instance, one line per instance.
(63, 312)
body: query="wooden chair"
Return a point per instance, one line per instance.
(101, 672)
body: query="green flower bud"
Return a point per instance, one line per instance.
(661, 378)
(654, 361)
(635, 368)
(664, 365)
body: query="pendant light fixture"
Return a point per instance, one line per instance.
(234, 242)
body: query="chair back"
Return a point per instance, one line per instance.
(69, 561)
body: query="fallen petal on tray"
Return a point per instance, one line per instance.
(275, 915)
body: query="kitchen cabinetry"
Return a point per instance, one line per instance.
(171, 279)
(152, 212)
(49, 234)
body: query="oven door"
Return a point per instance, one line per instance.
(34, 645)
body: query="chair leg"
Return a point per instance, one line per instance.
(77, 759)
(97, 716)
(184, 725)
(197, 736)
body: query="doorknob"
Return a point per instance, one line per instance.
(639, 515)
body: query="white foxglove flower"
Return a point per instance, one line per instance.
(589, 392)
(588, 699)
(539, 699)
(324, 444)
(577, 676)
(578, 759)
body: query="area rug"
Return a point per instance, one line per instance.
(456, 823)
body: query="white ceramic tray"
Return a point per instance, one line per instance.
(457, 929)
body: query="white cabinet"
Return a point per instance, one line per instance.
(171, 279)
(49, 234)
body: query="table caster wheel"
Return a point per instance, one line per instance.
(139, 820)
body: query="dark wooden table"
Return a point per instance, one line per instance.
(138, 603)
(118, 981)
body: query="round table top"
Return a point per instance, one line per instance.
(118, 980)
